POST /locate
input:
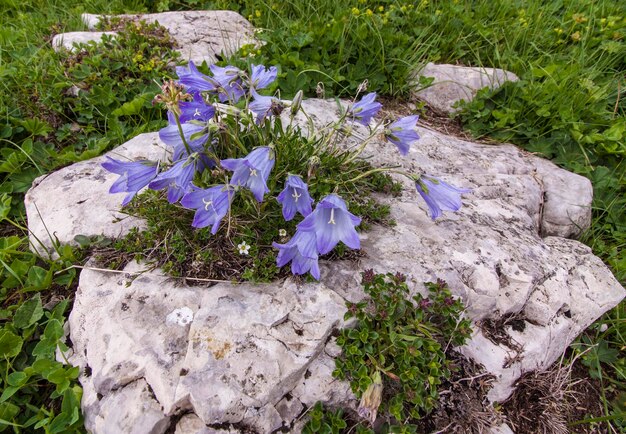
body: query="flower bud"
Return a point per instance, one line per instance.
(314, 164)
(296, 103)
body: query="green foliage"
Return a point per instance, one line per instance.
(30, 376)
(324, 422)
(405, 338)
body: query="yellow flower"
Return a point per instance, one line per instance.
(579, 18)
(558, 31)
(355, 11)
(575, 36)
(369, 12)
(257, 13)
(381, 8)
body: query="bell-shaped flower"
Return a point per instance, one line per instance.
(364, 110)
(177, 179)
(264, 106)
(227, 81)
(301, 251)
(262, 77)
(331, 222)
(252, 171)
(295, 198)
(402, 133)
(196, 110)
(134, 175)
(211, 205)
(194, 79)
(439, 195)
(170, 135)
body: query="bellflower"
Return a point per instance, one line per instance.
(301, 251)
(295, 198)
(227, 81)
(171, 136)
(439, 195)
(194, 79)
(196, 110)
(262, 77)
(134, 175)
(332, 222)
(252, 171)
(264, 106)
(211, 205)
(177, 179)
(402, 133)
(364, 110)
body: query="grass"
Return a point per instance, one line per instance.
(569, 105)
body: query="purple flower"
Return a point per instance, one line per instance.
(295, 198)
(227, 81)
(262, 77)
(252, 171)
(439, 195)
(135, 175)
(332, 222)
(302, 252)
(194, 79)
(402, 133)
(171, 136)
(211, 205)
(364, 110)
(264, 106)
(196, 110)
(177, 179)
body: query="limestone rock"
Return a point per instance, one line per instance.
(454, 83)
(234, 354)
(75, 200)
(200, 35)
(67, 40)
(244, 348)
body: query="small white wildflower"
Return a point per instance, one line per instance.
(282, 233)
(244, 248)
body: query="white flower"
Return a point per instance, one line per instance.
(244, 248)
(282, 233)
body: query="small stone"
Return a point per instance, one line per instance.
(453, 83)
(67, 40)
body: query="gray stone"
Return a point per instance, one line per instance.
(453, 83)
(67, 40)
(115, 416)
(74, 200)
(501, 429)
(245, 346)
(223, 351)
(200, 35)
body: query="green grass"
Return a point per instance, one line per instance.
(569, 105)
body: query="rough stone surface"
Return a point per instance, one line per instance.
(67, 40)
(454, 83)
(74, 200)
(244, 348)
(200, 35)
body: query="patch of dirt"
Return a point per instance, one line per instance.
(547, 402)
(463, 407)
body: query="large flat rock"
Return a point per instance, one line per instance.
(200, 35)
(453, 83)
(256, 355)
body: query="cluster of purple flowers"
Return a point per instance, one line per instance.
(190, 135)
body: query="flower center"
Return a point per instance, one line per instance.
(196, 113)
(295, 195)
(206, 204)
(332, 217)
(252, 172)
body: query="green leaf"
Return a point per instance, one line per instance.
(10, 344)
(38, 278)
(28, 313)
(7, 412)
(5, 206)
